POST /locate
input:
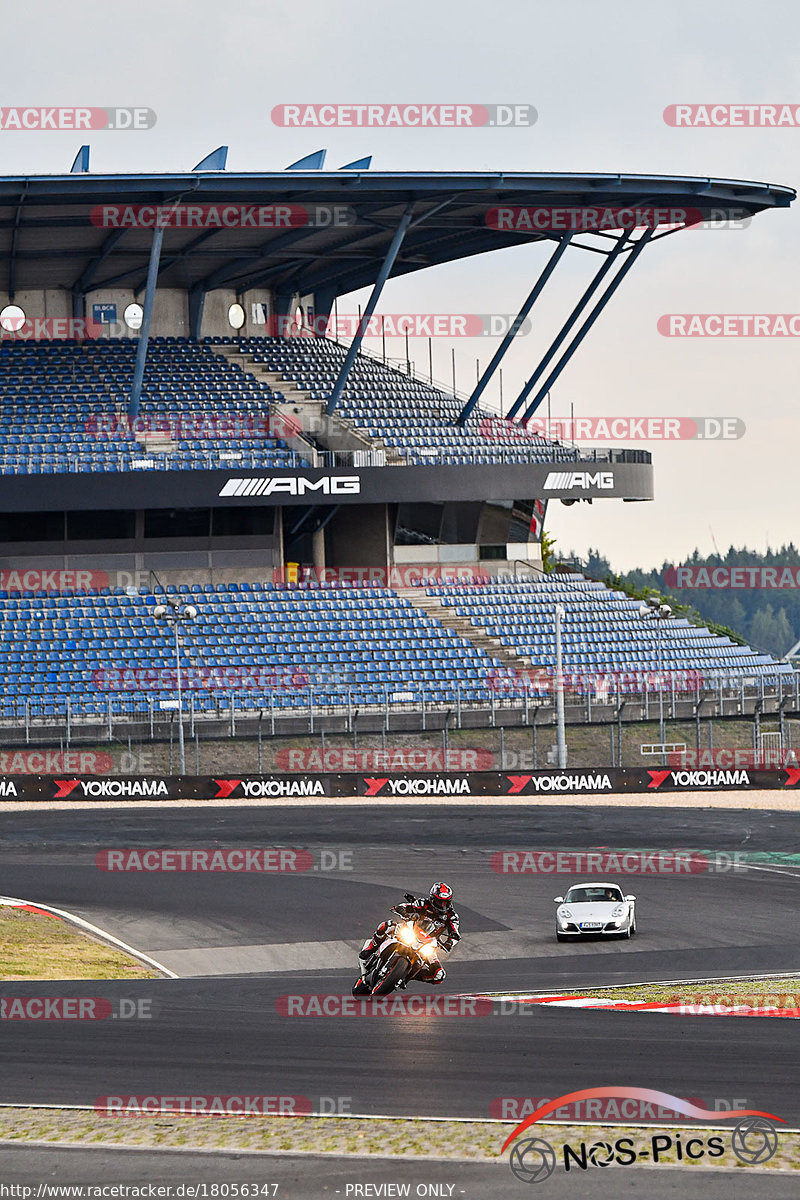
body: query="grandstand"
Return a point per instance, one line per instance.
(182, 450)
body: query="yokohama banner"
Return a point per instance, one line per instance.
(423, 786)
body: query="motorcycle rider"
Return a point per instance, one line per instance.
(437, 906)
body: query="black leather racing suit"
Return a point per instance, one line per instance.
(447, 931)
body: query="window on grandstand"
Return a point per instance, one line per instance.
(177, 523)
(32, 527)
(12, 318)
(133, 316)
(243, 522)
(236, 316)
(99, 525)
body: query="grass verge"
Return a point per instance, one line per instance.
(42, 947)
(777, 992)
(476, 1141)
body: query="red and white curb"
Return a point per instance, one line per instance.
(675, 1007)
(47, 910)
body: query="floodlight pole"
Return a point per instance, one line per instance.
(561, 738)
(181, 748)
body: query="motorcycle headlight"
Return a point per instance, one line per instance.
(428, 951)
(407, 934)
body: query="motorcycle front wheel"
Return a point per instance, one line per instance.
(398, 971)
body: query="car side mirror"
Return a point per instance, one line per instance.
(558, 899)
(630, 897)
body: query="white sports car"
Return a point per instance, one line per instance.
(595, 909)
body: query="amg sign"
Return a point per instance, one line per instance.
(294, 485)
(561, 481)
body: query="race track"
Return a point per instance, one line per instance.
(238, 942)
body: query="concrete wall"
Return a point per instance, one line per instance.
(170, 314)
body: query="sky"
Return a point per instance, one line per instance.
(599, 79)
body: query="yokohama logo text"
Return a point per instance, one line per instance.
(293, 485)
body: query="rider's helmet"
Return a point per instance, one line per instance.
(440, 896)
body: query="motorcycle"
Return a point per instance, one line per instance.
(406, 947)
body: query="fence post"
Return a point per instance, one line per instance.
(191, 714)
(69, 721)
(310, 709)
(108, 713)
(424, 715)
(272, 711)
(349, 709)
(196, 751)
(502, 748)
(611, 731)
(385, 707)
(233, 715)
(458, 705)
(260, 764)
(491, 702)
(27, 719)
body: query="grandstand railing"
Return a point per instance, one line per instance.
(432, 707)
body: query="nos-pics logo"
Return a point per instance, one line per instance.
(754, 1139)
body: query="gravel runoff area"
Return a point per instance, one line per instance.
(470, 1141)
(778, 799)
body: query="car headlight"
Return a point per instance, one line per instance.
(619, 911)
(565, 914)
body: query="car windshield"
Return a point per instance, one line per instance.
(593, 895)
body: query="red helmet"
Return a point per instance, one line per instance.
(440, 896)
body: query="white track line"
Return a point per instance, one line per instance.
(71, 919)
(346, 1117)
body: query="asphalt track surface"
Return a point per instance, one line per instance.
(241, 941)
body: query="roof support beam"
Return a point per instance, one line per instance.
(568, 325)
(12, 257)
(197, 302)
(499, 354)
(147, 316)
(587, 325)
(383, 275)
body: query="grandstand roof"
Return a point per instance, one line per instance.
(48, 238)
